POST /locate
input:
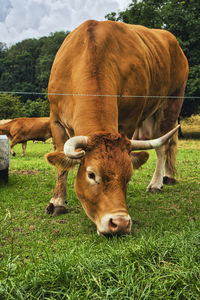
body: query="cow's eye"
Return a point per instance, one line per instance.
(91, 175)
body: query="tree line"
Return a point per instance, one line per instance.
(26, 66)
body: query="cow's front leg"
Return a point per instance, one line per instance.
(57, 203)
(156, 183)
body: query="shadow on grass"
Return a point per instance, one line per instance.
(190, 135)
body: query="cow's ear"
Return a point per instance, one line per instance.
(61, 161)
(139, 158)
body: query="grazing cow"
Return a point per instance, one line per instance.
(100, 90)
(21, 130)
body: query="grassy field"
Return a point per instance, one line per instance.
(45, 257)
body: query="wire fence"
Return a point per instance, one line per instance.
(96, 95)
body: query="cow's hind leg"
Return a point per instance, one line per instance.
(171, 152)
(13, 143)
(149, 129)
(170, 120)
(156, 183)
(57, 204)
(165, 167)
(24, 144)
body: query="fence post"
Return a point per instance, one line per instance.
(4, 158)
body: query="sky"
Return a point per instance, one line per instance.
(23, 19)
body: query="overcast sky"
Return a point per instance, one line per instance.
(22, 19)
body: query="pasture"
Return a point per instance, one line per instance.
(45, 257)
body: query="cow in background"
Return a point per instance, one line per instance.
(21, 130)
(109, 77)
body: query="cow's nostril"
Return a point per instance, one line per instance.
(112, 224)
(119, 225)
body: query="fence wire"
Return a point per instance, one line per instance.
(94, 95)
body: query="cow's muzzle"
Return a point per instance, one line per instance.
(115, 225)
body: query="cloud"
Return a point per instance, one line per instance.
(22, 19)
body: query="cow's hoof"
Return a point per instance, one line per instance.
(50, 209)
(55, 210)
(168, 180)
(60, 210)
(154, 190)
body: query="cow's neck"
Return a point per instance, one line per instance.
(93, 115)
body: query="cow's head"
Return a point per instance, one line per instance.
(106, 166)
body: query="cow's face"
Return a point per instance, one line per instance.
(106, 165)
(102, 180)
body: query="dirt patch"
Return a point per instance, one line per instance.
(24, 172)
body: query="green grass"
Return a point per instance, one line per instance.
(45, 257)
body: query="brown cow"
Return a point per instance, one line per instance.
(97, 60)
(21, 130)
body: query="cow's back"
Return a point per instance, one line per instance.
(111, 58)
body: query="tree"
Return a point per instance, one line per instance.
(18, 68)
(10, 106)
(49, 47)
(3, 49)
(25, 67)
(192, 105)
(147, 13)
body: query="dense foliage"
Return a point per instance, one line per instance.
(26, 66)
(183, 20)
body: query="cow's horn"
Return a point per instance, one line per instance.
(73, 143)
(150, 144)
